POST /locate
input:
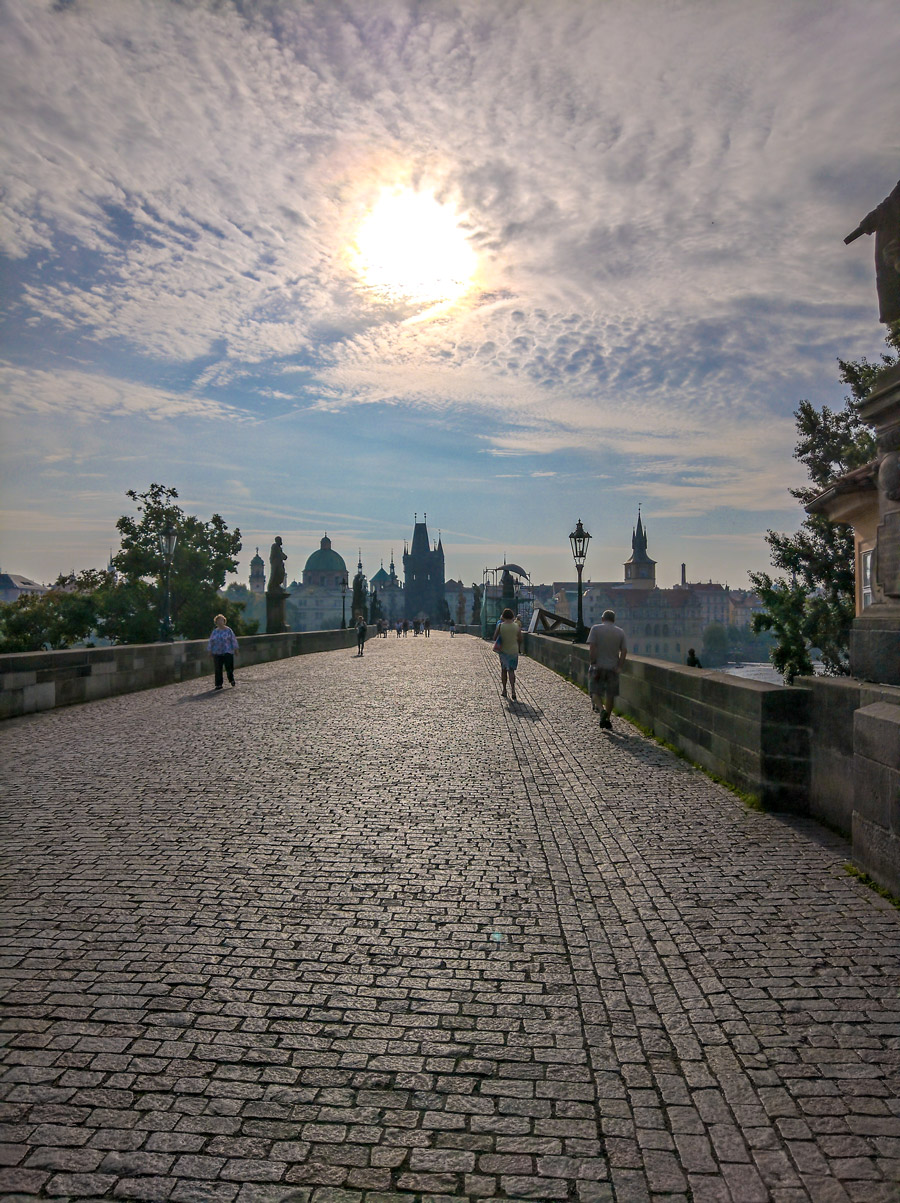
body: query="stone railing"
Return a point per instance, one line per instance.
(753, 735)
(827, 747)
(31, 681)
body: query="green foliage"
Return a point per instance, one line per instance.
(58, 619)
(786, 616)
(715, 645)
(813, 603)
(204, 553)
(865, 880)
(376, 610)
(124, 606)
(252, 608)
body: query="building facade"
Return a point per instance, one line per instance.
(388, 588)
(13, 586)
(257, 574)
(323, 598)
(660, 623)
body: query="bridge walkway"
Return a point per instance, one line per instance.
(359, 931)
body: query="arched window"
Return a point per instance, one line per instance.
(647, 630)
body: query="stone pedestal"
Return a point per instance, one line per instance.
(875, 636)
(276, 623)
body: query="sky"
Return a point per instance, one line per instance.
(327, 266)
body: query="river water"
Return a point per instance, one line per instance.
(755, 672)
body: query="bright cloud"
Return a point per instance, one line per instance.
(643, 208)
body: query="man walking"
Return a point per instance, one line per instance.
(606, 644)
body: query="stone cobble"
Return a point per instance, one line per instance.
(359, 931)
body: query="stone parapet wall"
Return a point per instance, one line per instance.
(828, 747)
(32, 681)
(855, 769)
(753, 735)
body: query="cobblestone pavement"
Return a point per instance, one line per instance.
(359, 932)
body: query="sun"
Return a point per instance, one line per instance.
(410, 248)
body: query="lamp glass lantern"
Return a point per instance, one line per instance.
(579, 539)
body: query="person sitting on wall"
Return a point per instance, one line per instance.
(692, 661)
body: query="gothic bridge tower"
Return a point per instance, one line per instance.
(423, 572)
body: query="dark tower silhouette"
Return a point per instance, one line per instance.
(423, 573)
(640, 570)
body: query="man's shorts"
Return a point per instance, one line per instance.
(509, 662)
(604, 681)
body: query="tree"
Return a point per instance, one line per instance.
(57, 619)
(813, 604)
(376, 610)
(715, 645)
(204, 553)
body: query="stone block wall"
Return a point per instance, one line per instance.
(32, 681)
(753, 735)
(855, 769)
(828, 747)
(876, 810)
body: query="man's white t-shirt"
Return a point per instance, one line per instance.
(607, 641)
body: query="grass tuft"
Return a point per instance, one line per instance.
(865, 880)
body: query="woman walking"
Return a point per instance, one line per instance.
(508, 642)
(223, 644)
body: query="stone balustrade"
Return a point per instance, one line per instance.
(32, 681)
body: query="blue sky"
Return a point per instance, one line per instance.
(656, 195)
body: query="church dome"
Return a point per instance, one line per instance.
(325, 560)
(380, 578)
(257, 561)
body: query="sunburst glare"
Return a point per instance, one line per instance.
(410, 248)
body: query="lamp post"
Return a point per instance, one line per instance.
(166, 540)
(579, 539)
(343, 605)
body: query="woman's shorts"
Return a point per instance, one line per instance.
(509, 662)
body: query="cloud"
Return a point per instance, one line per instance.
(657, 194)
(89, 397)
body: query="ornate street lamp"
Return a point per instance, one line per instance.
(343, 605)
(166, 541)
(579, 539)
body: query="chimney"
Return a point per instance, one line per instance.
(683, 575)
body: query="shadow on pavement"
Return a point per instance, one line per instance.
(525, 710)
(639, 747)
(207, 693)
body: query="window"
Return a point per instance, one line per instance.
(865, 564)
